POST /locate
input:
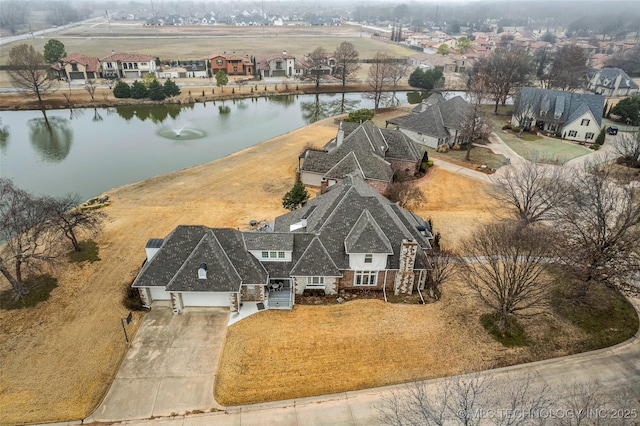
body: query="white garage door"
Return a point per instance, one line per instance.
(205, 299)
(158, 293)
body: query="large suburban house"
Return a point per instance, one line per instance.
(348, 238)
(77, 66)
(128, 65)
(375, 154)
(574, 116)
(611, 82)
(280, 66)
(231, 64)
(435, 121)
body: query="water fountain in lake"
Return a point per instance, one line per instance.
(181, 131)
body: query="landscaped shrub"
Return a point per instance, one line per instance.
(601, 136)
(515, 129)
(506, 127)
(594, 146)
(131, 298)
(360, 116)
(122, 90)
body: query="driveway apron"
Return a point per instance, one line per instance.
(170, 367)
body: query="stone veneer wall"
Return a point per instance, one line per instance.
(404, 167)
(257, 296)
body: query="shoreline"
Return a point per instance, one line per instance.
(77, 97)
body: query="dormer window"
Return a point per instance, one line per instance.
(202, 271)
(273, 255)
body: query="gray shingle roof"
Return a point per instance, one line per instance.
(557, 106)
(367, 237)
(268, 241)
(315, 261)
(606, 77)
(436, 118)
(187, 247)
(364, 149)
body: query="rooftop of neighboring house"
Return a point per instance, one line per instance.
(606, 77)
(365, 149)
(128, 57)
(557, 106)
(435, 115)
(231, 57)
(91, 63)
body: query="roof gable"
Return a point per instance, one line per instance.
(367, 237)
(315, 261)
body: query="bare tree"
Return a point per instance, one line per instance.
(505, 267)
(70, 219)
(504, 71)
(474, 126)
(380, 78)
(28, 70)
(14, 14)
(317, 61)
(627, 147)
(600, 224)
(346, 61)
(24, 225)
(443, 268)
(90, 87)
(399, 71)
(406, 194)
(466, 399)
(533, 189)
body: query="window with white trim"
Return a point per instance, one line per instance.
(368, 258)
(585, 122)
(273, 255)
(573, 133)
(312, 281)
(589, 135)
(365, 278)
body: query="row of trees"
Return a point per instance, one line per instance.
(151, 88)
(34, 227)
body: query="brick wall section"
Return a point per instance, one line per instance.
(257, 296)
(409, 168)
(405, 275)
(379, 185)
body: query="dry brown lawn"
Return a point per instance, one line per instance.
(314, 350)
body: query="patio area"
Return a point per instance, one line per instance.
(280, 294)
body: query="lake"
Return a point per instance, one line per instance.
(89, 151)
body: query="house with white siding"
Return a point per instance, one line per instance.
(128, 65)
(574, 116)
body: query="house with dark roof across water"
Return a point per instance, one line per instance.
(348, 238)
(574, 116)
(378, 155)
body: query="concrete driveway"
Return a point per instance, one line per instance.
(170, 366)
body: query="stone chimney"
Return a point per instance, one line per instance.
(405, 277)
(340, 136)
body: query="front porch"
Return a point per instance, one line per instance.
(280, 294)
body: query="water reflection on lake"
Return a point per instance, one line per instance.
(89, 151)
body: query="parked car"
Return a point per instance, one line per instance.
(612, 130)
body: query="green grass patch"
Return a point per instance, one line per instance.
(534, 147)
(39, 287)
(89, 252)
(513, 335)
(604, 314)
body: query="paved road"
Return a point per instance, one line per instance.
(613, 369)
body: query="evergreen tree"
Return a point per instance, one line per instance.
(156, 91)
(296, 196)
(601, 136)
(171, 88)
(138, 90)
(54, 50)
(122, 90)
